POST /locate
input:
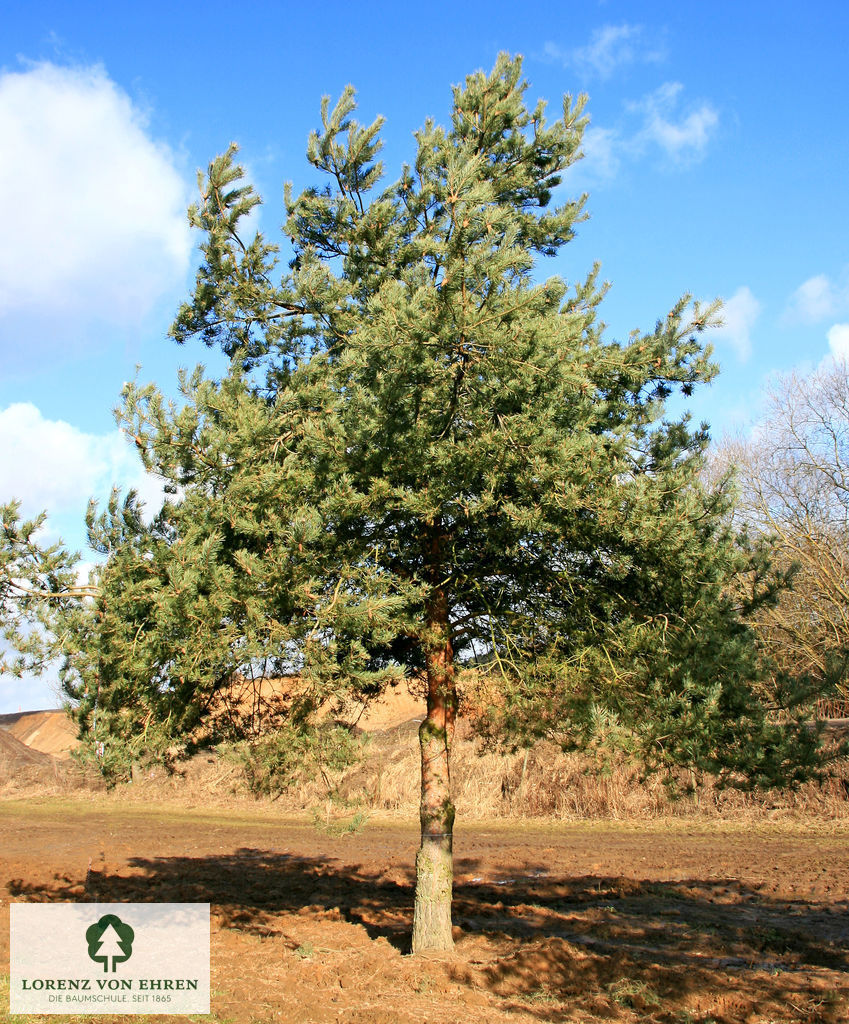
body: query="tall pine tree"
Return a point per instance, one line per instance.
(422, 453)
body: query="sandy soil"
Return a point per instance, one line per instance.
(52, 732)
(674, 923)
(15, 755)
(49, 732)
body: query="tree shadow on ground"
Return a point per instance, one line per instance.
(606, 945)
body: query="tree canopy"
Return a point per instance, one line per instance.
(423, 454)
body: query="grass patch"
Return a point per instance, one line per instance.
(828, 831)
(51, 808)
(340, 826)
(542, 996)
(635, 995)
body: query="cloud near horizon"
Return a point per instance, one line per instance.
(95, 228)
(50, 465)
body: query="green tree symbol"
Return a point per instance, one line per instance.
(110, 938)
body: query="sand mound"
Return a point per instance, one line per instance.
(256, 701)
(49, 732)
(394, 708)
(15, 755)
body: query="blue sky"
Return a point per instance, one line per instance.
(716, 163)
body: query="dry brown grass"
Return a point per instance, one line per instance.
(541, 783)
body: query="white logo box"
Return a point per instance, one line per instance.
(109, 958)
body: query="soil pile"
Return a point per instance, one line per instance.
(27, 740)
(48, 732)
(254, 703)
(15, 755)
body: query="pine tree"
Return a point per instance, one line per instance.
(422, 453)
(38, 587)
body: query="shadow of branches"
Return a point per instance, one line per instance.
(537, 941)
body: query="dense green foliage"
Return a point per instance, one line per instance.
(38, 590)
(421, 445)
(289, 757)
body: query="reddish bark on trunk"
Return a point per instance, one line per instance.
(435, 859)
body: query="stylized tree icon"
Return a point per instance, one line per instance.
(109, 939)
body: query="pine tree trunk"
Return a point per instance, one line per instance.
(435, 859)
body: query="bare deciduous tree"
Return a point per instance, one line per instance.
(794, 481)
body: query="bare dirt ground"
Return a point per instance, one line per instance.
(654, 922)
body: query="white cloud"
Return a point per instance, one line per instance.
(657, 123)
(94, 225)
(610, 47)
(838, 340)
(51, 465)
(819, 298)
(739, 314)
(601, 160)
(683, 137)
